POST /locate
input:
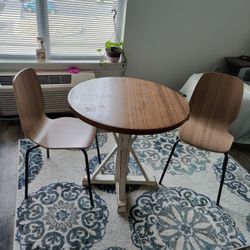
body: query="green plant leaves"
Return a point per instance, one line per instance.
(110, 44)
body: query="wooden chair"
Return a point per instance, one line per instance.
(215, 103)
(61, 133)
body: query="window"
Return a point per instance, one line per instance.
(71, 29)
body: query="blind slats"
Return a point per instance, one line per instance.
(74, 28)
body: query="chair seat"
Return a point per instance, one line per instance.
(204, 136)
(65, 133)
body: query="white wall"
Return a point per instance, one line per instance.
(168, 40)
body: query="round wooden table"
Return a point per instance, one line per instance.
(127, 106)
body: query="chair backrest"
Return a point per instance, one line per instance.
(217, 98)
(29, 100)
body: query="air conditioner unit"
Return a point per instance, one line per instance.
(55, 86)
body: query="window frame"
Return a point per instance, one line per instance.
(42, 17)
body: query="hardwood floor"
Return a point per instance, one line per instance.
(10, 132)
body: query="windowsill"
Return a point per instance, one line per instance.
(15, 65)
(50, 61)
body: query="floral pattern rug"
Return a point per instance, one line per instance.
(180, 214)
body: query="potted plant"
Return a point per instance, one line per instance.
(113, 51)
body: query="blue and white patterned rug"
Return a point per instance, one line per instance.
(181, 214)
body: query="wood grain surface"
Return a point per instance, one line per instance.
(64, 132)
(128, 105)
(214, 105)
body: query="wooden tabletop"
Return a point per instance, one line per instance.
(128, 105)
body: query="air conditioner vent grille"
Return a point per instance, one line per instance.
(55, 79)
(55, 86)
(44, 79)
(6, 80)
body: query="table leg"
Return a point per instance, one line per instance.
(103, 164)
(120, 179)
(121, 171)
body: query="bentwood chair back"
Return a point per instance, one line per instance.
(30, 104)
(214, 105)
(60, 133)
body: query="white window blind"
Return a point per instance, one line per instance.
(71, 29)
(18, 30)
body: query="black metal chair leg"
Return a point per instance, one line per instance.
(27, 170)
(47, 153)
(98, 149)
(88, 176)
(224, 167)
(169, 158)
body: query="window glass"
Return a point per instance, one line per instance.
(18, 29)
(70, 28)
(80, 27)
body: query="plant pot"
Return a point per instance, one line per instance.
(114, 54)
